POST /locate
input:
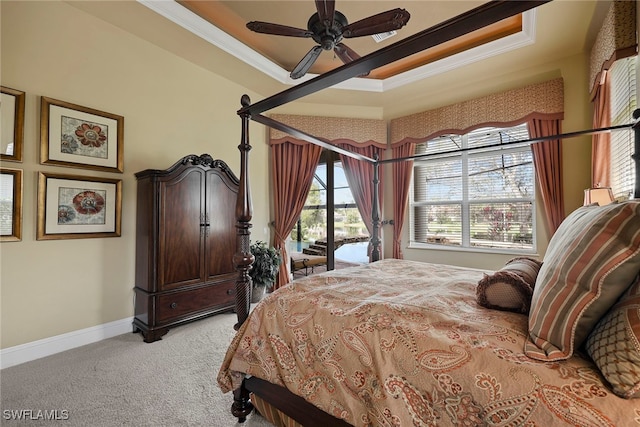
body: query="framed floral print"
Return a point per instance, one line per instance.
(81, 137)
(78, 207)
(10, 205)
(12, 125)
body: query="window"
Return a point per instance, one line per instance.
(347, 222)
(482, 199)
(623, 102)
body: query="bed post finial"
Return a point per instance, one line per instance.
(243, 259)
(375, 214)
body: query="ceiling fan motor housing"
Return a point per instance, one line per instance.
(327, 36)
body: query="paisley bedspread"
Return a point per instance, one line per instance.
(403, 343)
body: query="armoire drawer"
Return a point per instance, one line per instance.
(178, 304)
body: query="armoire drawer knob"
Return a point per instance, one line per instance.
(231, 291)
(173, 305)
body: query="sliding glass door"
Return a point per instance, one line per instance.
(330, 224)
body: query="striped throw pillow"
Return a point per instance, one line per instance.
(591, 260)
(614, 344)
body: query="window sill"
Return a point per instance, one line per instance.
(479, 250)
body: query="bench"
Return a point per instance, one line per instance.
(301, 261)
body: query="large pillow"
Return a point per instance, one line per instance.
(511, 287)
(591, 260)
(614, 345)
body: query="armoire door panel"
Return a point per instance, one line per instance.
(181, 233)
(221, 235)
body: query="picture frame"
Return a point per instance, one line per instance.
(12, 124)
(78, 207)
(75, 136)
(10, 205)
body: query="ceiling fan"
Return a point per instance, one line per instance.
(328, 27)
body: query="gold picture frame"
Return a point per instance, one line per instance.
(78, 207)
(12, 126)
(75, 136)
(10, 205)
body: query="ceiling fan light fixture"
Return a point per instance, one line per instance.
(327, 43)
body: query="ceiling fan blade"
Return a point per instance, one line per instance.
(346, 55)
(306, 62)
(326, 10)
(277, 29)
(393, 19)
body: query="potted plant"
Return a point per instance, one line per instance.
(264, 270)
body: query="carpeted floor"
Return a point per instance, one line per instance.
(123, 381)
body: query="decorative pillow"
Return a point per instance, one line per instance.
(614, 345)
(591, 260)
(511, 287)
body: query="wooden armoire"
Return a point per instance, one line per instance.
(185, 242)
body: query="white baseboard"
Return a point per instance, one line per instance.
(45, 347)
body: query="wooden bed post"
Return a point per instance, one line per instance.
(244, 211)
(241, 406)
(375, 214)
(636, 152)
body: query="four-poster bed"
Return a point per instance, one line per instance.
(472, 357)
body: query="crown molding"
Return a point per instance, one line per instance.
(497, 47)
(200, 27)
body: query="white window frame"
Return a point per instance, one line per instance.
(465, 206)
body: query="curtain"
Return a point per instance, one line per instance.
(546, 98)
(615, 40)
(601, 142)
(401, 182)
(360, 178)
(509, 108)
(547, 158)
(293, 167)
(359, 175)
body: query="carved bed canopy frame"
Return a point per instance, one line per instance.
(477, 18)
(472, 20)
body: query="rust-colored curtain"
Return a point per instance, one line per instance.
(359, 175)
(601, 142)
(293, 166)
(547, 158)
(401, 182)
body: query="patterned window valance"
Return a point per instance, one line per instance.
(616, 40)
(334, 128)
(545, 98)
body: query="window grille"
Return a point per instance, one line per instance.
(478, 199)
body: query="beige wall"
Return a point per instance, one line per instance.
(171, 107)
